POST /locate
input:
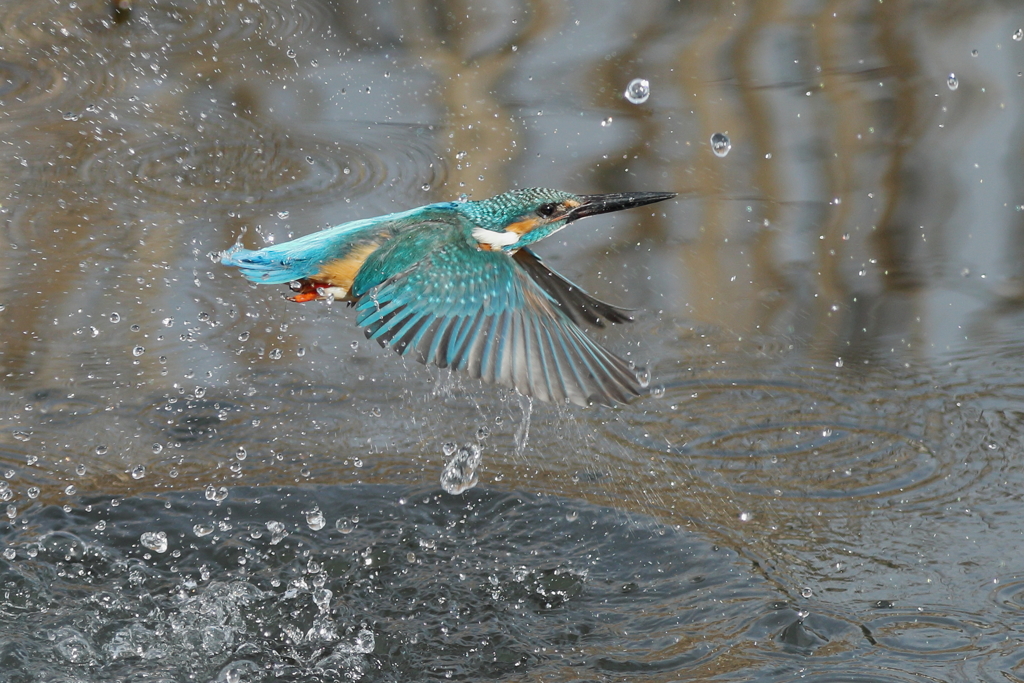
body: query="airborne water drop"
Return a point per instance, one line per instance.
(638, 90)
(720, 144)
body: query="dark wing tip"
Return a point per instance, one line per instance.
(575, 302)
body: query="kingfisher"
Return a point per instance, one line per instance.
(457, 284)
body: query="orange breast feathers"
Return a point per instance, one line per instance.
(340, 273)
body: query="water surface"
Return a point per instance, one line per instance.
(203, 480)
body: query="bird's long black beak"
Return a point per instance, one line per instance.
(594, 204)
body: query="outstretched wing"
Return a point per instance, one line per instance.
(482, 313)
(569, 296)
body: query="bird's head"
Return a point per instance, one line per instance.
(512, 220)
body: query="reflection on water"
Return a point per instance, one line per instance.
(825, 469)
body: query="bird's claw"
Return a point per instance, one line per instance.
(306, 290)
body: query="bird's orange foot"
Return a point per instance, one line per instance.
(306, 290)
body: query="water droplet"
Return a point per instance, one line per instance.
(746, 516)
(448, 448)
(806, 592)
(115, 317)
(9, 553)
(201, 530)
(322, 599)
(277, 532)
(70, 116)
(138, 472)
(33, 492)
(315, 519)
(216, 493)
(606, 122)
(952, 82)
(482, 433)
(1018, 35)
(974, 53)
(101, 450)
(354, 346)
(155, 541)
(826, 432)
(157, 447)
(643, 377)
(425, 187)
(344, 525)
(244, 336)
(459, 473)
(720, 144)
(241, 453)
(275, 354)
(572, 516)
(80, 470)
(638, 90)
(70, 490)
(138, 350)
(12, 511)
(658, 391)
(291, 54)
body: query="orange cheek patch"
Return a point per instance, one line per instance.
(524, 226)
(341, 272)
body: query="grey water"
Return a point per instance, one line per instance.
(200, 480)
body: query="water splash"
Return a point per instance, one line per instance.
(460, 473)
(155, 541)
(523, 433)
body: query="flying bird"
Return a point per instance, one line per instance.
(456, 284)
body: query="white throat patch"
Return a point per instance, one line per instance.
(495, 240)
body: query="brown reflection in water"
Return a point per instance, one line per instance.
(480, 143)
(768, 282)
(903, 178)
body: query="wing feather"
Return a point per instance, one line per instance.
(581, 307)
(490, 316)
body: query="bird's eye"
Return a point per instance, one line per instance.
(547, 210)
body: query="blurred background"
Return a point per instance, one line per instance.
(202, 480)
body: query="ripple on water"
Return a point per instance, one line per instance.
(27, 83)
(242, 165)
(783, 439)
(1009, 594)
(164, 25)
(394, 584)
(931, 636)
